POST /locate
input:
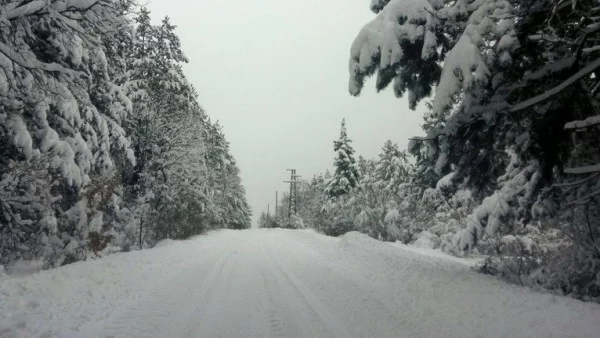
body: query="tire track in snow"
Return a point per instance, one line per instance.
(277, 322)
(281, 317)
(238, 305)
(203, 297)
(304, 298)
(380, 309)
(152, 316)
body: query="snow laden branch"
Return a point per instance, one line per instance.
(401, 45)
(555, 90)
(583, 170)
(39, 7)
(582, 124)
(33, 63)
(409, 40)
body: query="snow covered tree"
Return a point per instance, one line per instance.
(469, 37)
(228, 201)
(515, 80)
(100, 133)
(233, 198)
(166, 134)
(346, 176)
(467, 128)
(311, 198)
(185, 181)
(392, 168)
(263, 220)
(60, 118)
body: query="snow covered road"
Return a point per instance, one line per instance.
(281, 283)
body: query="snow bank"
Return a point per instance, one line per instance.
(424, 240)
(422, 249)
(355, 238)
(59, 302)
(164, 243)
(23, 268)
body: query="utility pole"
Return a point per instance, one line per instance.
(293, 192)
(276, 202)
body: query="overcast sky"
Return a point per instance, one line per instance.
(275, 74)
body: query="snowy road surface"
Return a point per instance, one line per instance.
(281, 283)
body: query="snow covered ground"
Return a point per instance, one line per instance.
(282, 283)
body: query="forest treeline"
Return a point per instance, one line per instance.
(103, 144)
(509, 166)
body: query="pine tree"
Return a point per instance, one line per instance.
(392, 168)
(346, 175)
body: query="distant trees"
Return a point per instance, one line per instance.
(102, 141)
(381, 204)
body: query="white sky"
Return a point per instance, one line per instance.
(275, 74)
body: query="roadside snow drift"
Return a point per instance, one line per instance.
(282, 283)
